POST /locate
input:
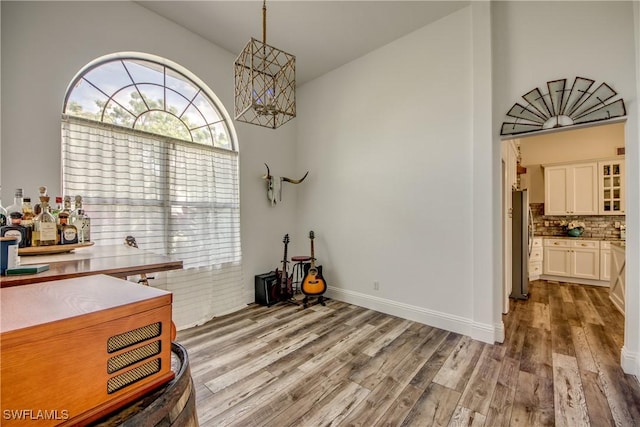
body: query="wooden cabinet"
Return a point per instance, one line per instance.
(611, 187)
(572, 258)
(571, 189)
(84, 347)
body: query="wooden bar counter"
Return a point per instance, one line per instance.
(117, 261)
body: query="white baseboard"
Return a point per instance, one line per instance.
(479, 331)
(603, 283)
(630, 362)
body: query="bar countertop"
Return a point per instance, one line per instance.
(117, 261)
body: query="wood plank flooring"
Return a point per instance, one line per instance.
(345, 365)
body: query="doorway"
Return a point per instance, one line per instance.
(584, 144)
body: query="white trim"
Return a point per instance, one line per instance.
(630, 362)
(461, 325)
(563, 128)
(578, 280)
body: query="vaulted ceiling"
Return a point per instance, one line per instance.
(323, 35)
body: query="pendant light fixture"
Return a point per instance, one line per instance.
(265, 82)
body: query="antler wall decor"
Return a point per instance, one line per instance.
(274, 185)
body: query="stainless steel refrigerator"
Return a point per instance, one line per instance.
(522, 240)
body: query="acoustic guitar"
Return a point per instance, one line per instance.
(313, 283)
(285, 289)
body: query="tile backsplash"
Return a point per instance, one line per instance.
(601, 227)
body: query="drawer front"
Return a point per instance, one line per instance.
(605, 245)
(536, 255)
(535, 269)
(537, 242)
(585, 244)
(564, 243)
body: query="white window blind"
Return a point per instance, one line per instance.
(175, 197)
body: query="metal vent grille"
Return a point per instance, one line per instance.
(125, 379)
(130, 357)
(118, 342)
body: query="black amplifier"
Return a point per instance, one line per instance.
(267, 287)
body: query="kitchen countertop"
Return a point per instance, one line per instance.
(605, 239)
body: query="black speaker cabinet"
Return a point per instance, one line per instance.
(266, 288)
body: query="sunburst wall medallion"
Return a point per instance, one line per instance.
(563, 106)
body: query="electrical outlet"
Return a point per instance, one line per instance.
(376, 286)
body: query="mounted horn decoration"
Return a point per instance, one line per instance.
(562, 106)
(274, 185)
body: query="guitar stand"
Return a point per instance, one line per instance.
(319, 300)
(294, 301)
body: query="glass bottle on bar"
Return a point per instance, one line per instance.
(15, 229)
(45, 228)
(83, 224)
(73, 216)
(17, 202)
(27, 219)
(67, 207)
(67, 233)
(3, 212)
(37, 208)
(55, 210)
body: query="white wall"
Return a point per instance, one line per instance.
(44, 44)
(535, 42)
(389, 140)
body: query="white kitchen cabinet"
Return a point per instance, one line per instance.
(611, 187)
(585, 259)
(605, 261)
(571, 189)
(557, 258)
(572, 258)
(617, 287)
(535, 259)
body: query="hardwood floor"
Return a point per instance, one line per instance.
(345, 365)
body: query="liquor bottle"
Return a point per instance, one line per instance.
(83, 224)
(73, 216)
(17, 202)
(27, 219)
(15, 229)
(55, 210)
(37, 208)
(67, 206)
(3, 212)
(68, 234)
(45, 229)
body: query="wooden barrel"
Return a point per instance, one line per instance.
(172, 405)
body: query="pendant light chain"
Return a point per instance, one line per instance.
(264, 21)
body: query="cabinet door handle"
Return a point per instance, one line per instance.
(583, 244)
(556, 243)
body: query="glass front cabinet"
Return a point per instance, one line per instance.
(611, 177)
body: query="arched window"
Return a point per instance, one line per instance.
(153, 154)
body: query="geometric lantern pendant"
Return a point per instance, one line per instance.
(265, 83)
